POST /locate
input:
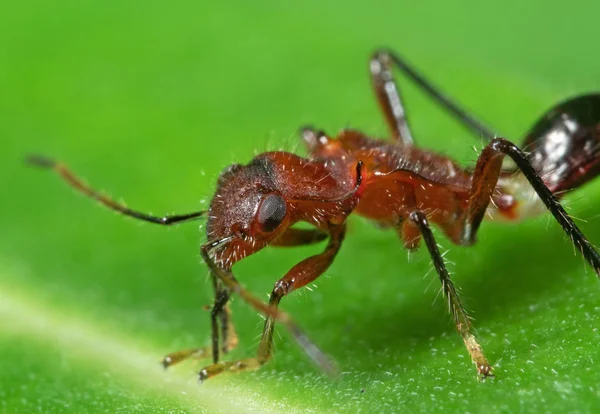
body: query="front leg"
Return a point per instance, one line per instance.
(221, 314)
(300, 275)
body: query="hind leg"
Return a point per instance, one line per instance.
(389, 98)
(485, 178)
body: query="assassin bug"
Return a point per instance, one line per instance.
(392, 182)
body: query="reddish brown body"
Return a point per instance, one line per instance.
(391, 182)
(399, 180)
(396, 180)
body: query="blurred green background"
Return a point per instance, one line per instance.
(149, 101)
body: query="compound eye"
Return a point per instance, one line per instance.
(271, 212)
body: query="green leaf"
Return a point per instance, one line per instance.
(151, 101)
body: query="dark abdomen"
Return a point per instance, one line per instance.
(564, 145)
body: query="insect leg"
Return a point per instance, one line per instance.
(388, 96)
(459, 315)
(228, 334)
(291, 237)
(80, 186)
(485, 178)
(390, 101)
(300, 275)
(299, 237)
(220, 312)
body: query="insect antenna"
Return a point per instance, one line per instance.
(79, 185)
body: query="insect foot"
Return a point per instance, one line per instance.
(231, 366)
(194, 353)
(484, 372)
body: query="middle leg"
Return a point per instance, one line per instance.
(459, 315)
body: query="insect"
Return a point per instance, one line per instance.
(392, 182)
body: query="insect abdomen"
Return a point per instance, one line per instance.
(564, 145)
